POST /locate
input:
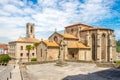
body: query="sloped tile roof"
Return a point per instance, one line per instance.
(4, 46)
(68, 36)
(50, 43)
(95, 28)
(78, 45)
(21, 39)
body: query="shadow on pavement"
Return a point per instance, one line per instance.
(109, 74)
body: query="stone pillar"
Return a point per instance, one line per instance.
(78, 35)
(98, 46)
(88, 39)
(113, 48)
(110, 46)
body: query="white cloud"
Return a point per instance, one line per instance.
(49, 14)
(95, 10)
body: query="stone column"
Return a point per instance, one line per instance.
(78, 35)
(98, 46)
(113, 48)
(87, 39)
(110, 46)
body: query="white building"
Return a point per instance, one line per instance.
(3, 48)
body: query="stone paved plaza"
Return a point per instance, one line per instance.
(74, 71)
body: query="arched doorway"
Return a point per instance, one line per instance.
(103, 47)
(94, 55)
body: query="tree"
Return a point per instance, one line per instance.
(36, 44)
(4, 58)
(28, 48)
(118, 45)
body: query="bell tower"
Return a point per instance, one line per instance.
(30, 30)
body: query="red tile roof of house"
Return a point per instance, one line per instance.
(4, 46)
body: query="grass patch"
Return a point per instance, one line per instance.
(117, 62)
(34, 59)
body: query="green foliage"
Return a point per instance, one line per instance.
(117, 62)
(4, 58)
(118, 48)
(34, 59)
(118, 45)
(28, 48)
(36, 44)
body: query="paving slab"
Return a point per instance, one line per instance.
(74, 71)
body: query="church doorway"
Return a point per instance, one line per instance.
(94, 55)
(73, 54)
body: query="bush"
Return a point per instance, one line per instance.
(4, 58)
(117, 62)
(34, 59)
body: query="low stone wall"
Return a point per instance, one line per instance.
(79, 61)
(36, 62)
(107, 65)
(42, 62)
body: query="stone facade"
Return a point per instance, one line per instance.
(17, 50)
(47, 51)
(100, 40)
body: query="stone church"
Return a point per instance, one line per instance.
(79, 42)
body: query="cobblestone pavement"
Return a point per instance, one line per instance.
(74, 71)
(5, 72)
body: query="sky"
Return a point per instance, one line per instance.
(48, 15)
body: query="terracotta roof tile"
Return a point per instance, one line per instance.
(68, 36)
(4, 46)
(78, 45)
(49, 43)
(95, 28)
(21, 39)
(81, 45)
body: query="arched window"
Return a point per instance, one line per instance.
(21, 54)
(41, 52)
(33, 54)
(31, 29)
(72, 30)
(21, 47)
(55, 38)
(27, 54)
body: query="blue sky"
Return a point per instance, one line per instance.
(50, 14)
